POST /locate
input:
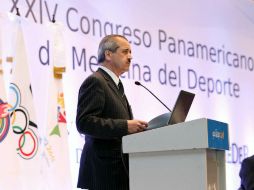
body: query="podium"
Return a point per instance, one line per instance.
(184, 156)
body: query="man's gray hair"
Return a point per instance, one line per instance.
(108, 43)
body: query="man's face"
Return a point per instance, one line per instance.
(121, 59)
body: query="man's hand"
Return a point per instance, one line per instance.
(135, 126)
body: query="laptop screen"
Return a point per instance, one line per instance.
(178, 114)
(181, 108)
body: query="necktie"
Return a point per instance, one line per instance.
(121, 91)
(120, 88)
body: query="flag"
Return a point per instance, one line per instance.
(23, 119)
(56, 148)
(4, 115)
(8, 155)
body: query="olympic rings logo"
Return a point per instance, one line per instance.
(22, 126)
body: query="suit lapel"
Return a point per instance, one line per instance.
(113, 86)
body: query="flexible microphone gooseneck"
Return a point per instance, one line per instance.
(139, 84)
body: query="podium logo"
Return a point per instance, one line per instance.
(217, 134)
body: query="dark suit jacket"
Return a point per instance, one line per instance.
(247, 173)
(102, 116)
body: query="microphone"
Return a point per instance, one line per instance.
(139, 84)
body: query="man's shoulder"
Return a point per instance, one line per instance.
(247, 172)
(247, 164)
(95, 76)
(249, 160)
(99, 75)
(95, 79)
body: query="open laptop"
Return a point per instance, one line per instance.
(178, 114)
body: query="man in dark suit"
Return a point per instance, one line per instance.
(104, 116)
(247, 173)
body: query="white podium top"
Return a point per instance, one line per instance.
(195, 134)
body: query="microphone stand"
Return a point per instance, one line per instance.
(139, 84)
